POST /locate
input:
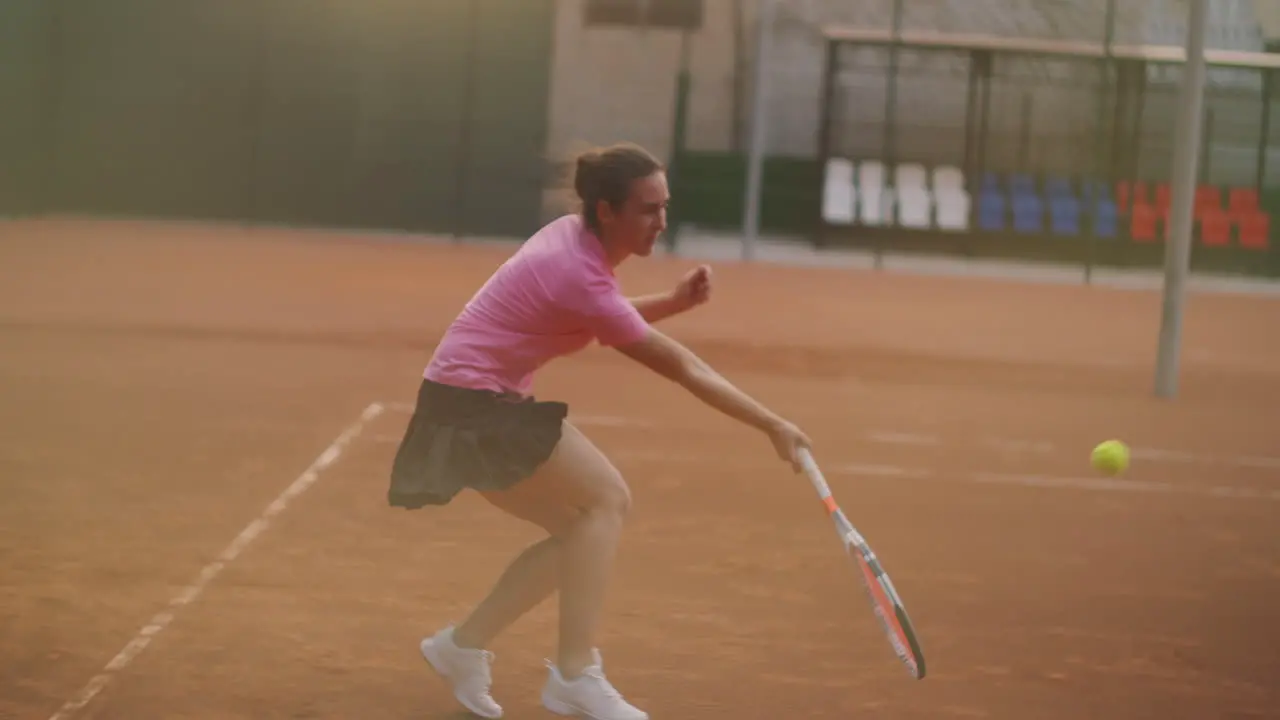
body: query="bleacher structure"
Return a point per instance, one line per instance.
(857, 194)
(1102, 200)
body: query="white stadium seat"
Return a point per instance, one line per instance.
(912, 176)
(875, 206)
(871, 175)
(948, 177)
(915, 207)
(953, 209)
(838, 195)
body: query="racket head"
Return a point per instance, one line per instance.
(888, 607)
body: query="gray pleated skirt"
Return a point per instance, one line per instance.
(460, 438)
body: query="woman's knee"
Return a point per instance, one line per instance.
(587, 478)
(613, 496)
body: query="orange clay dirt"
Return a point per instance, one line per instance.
(163, 383)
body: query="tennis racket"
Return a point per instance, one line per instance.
(884, 599)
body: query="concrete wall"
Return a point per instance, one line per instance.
(618, 84)
(612, 84)
(1267, 13)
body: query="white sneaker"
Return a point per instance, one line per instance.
(589, 695)
(466, 670)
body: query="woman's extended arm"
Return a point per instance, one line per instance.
(677, 363)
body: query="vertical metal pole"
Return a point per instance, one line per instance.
(679, 129)
(1206, 148)
(256, 104)
(759, 127)
(1268, 77)
(1023, 162)
(826, 120)
(53, 195)
(970, 113)
(890, 133)
(1178, 246)
(1139, 118)
(462, 177)
(739, 60)
(1107, 66)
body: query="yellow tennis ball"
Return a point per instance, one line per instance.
(1111, 457)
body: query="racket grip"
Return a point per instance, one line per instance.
(815, 475)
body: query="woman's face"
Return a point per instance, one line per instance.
(633, 228)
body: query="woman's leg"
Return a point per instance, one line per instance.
(580, 499)
(529, 579)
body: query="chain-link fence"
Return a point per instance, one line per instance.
(941, 97)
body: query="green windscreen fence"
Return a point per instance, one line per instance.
(506, 124)
(709, 191)
(153, 110)
(24, 104)
(396, 114)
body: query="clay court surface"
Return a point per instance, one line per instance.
(163, 384)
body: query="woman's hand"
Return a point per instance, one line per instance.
(787, 441)
(694, 288)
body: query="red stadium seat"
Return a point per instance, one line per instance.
(1130, 191)
(1255, 230)
(1242, 201)
(1215, 228)
(1142, 223)
(1208, 198)
(1164, 199)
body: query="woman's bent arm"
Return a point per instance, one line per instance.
(657, 307)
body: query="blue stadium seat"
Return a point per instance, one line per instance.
(1105, 218)
(1064, 214)
(1056, 186)
(1092, 191)
(1028, 213)
(1022, 183)
(991, 210)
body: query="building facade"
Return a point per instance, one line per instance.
(617, 81)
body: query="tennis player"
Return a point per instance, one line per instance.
(477, 426)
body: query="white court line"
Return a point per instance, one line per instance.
(188, 594)
(864, 470)
(885, 437)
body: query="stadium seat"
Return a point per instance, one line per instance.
(1164, 199)
(1130, 193)
(1215, 228)
(947, 177)
(871, 174)
(1142, 223)
(915, 207)
(875, 206)
(912, 176)
(1208, 197)
(991, 211)
(953, 210)
(1092, 192)
(1242, 201)
(1255, 230)
(1105, 219)
(1021, 183)
(1055, 186)
(838, 194)
(1028, 213)
(1064, 214)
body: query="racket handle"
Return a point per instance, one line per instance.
(815, 475)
